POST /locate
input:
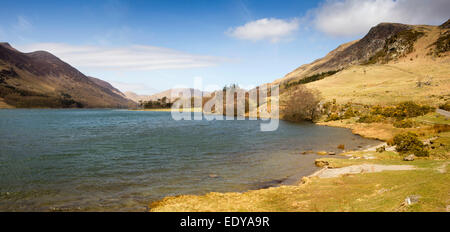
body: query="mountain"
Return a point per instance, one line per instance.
(167, 93)
(40, 79)
(355, 52)
(389, 64)
(136, 97)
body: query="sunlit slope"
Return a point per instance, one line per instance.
(402, 69)
(388, 83)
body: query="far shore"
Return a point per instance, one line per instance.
(170, 109)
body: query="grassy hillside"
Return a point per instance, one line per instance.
(388, 83)
(41, 80)
(395, 81)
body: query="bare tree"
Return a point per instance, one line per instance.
(302, 104)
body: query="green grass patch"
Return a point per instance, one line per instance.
(432, 118)
(383, 191)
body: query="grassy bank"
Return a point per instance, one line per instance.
(427, 184)
(382, 191)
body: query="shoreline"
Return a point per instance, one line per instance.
(298, 178)
(342, 168)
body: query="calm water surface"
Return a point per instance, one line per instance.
(113, 160)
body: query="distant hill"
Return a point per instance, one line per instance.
(385, 66)
(136, 97)
(167, 93)
(40, 79)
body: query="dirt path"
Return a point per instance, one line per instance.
(443, 168)
(443, 112)
(363, 168)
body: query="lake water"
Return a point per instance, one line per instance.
(118, 160)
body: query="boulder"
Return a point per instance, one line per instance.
(412, 199)
(409, 158)
(321, 163)
(322, 153)
(213, 175)
(331, 153)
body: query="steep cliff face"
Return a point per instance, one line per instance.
(40, 79)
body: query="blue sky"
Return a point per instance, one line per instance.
(146, 46)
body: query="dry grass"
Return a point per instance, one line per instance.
(394, 82)
(388, 84)
(426, 126)
(433, 118)
(384, 191)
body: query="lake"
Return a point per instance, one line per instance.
(119, 160)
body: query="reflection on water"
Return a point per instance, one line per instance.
(112, 160)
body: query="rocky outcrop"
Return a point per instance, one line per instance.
(355, 52)
(364, 49)
(445, 25)
(396, 46)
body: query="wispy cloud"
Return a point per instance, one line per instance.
(22, 24)
(271, 29)
(136, 57)
(139, 88)
(1, 34)
(355, 17)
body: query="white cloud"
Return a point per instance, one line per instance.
(136, 57)
(271, 29)
(355, 17)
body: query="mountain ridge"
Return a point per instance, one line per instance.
(351, 53)
(40, 79)
(384, 43)
(400, 59)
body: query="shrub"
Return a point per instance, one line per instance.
(302, 104)
(341, 146)
(381, 149)
(403, 123)
(332, 117)
(411, 109)
(370, 118)
(440, 128)
(421, 153)
(402, 110)
(409, 143)
(376, 110)
(445, 106)
(349, 113)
